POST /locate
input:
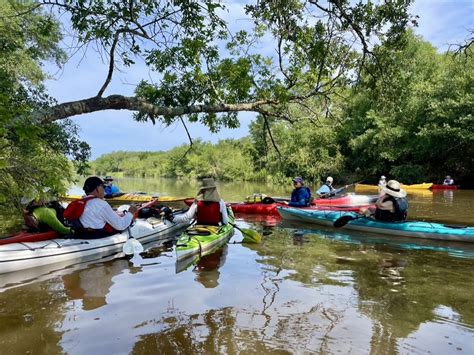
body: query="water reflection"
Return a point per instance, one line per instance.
(207, 268)
(91, 285)
(302, 290)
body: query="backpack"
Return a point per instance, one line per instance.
(74, 211)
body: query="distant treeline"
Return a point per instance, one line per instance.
(413, 122)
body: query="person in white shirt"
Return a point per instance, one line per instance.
(98, 217)
(208, 208)
(448, 181)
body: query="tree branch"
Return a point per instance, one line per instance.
(120, 102)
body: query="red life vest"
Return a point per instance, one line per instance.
(208, 213)
(74, 211)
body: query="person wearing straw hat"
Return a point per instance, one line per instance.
(208, 208)
(392, 205)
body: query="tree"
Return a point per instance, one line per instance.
(320, 46)
(32, 155)
(413, 123)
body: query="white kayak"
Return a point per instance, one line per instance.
(22, 256)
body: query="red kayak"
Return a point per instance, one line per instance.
(444, 187)
(29, 237)
(352, 203)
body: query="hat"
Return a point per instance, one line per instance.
(108, 178)
(393, 189)
(298, 179)
(448, 177)
(383, 177)
(208, 191)
(329, 179)
(92, 183)
(208, 183)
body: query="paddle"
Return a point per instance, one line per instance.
(250, 235)
(133, 246)
(339, 190)
(342, 221)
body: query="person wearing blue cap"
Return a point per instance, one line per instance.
(301, 195)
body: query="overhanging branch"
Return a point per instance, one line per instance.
(120, 102)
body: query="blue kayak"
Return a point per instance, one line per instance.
(417, 229)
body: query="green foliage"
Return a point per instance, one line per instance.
(227, 160)
(413, 121)
(33, 156)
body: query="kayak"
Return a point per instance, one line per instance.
(374, 188)
(345, 203)
(201, 239)
(131, 197)
(444, 187)
(416, 229)
(29, 254)
(24, 237)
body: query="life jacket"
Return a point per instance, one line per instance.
(309, 199)
(331, 188)
(400, 204)
(295, 195)
(74, 211)
(208, 213)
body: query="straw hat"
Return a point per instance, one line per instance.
(208, 191)
(393, 189)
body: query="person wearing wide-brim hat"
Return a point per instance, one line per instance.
(208, 208)
(392, 205)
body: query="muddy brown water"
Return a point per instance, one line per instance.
(304, 289)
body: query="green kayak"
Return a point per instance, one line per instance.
(200, 239)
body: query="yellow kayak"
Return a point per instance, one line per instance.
(374, 188)
(131, 198)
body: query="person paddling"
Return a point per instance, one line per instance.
(97, 218)
(448, 180)
(208, 208)
(327, 190)
(109, 187)
(392, 205)
(301, 195)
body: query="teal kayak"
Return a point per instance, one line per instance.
(416, 229)
(201, 239)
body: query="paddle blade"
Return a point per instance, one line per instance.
(132, 246)
(342, 221)
(251, 236)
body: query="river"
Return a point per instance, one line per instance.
(304, 289)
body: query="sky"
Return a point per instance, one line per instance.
(441, 22)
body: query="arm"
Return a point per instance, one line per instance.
(323, 190)
(387, 205)
(112, 218)
(225, 216)
(188, 216)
